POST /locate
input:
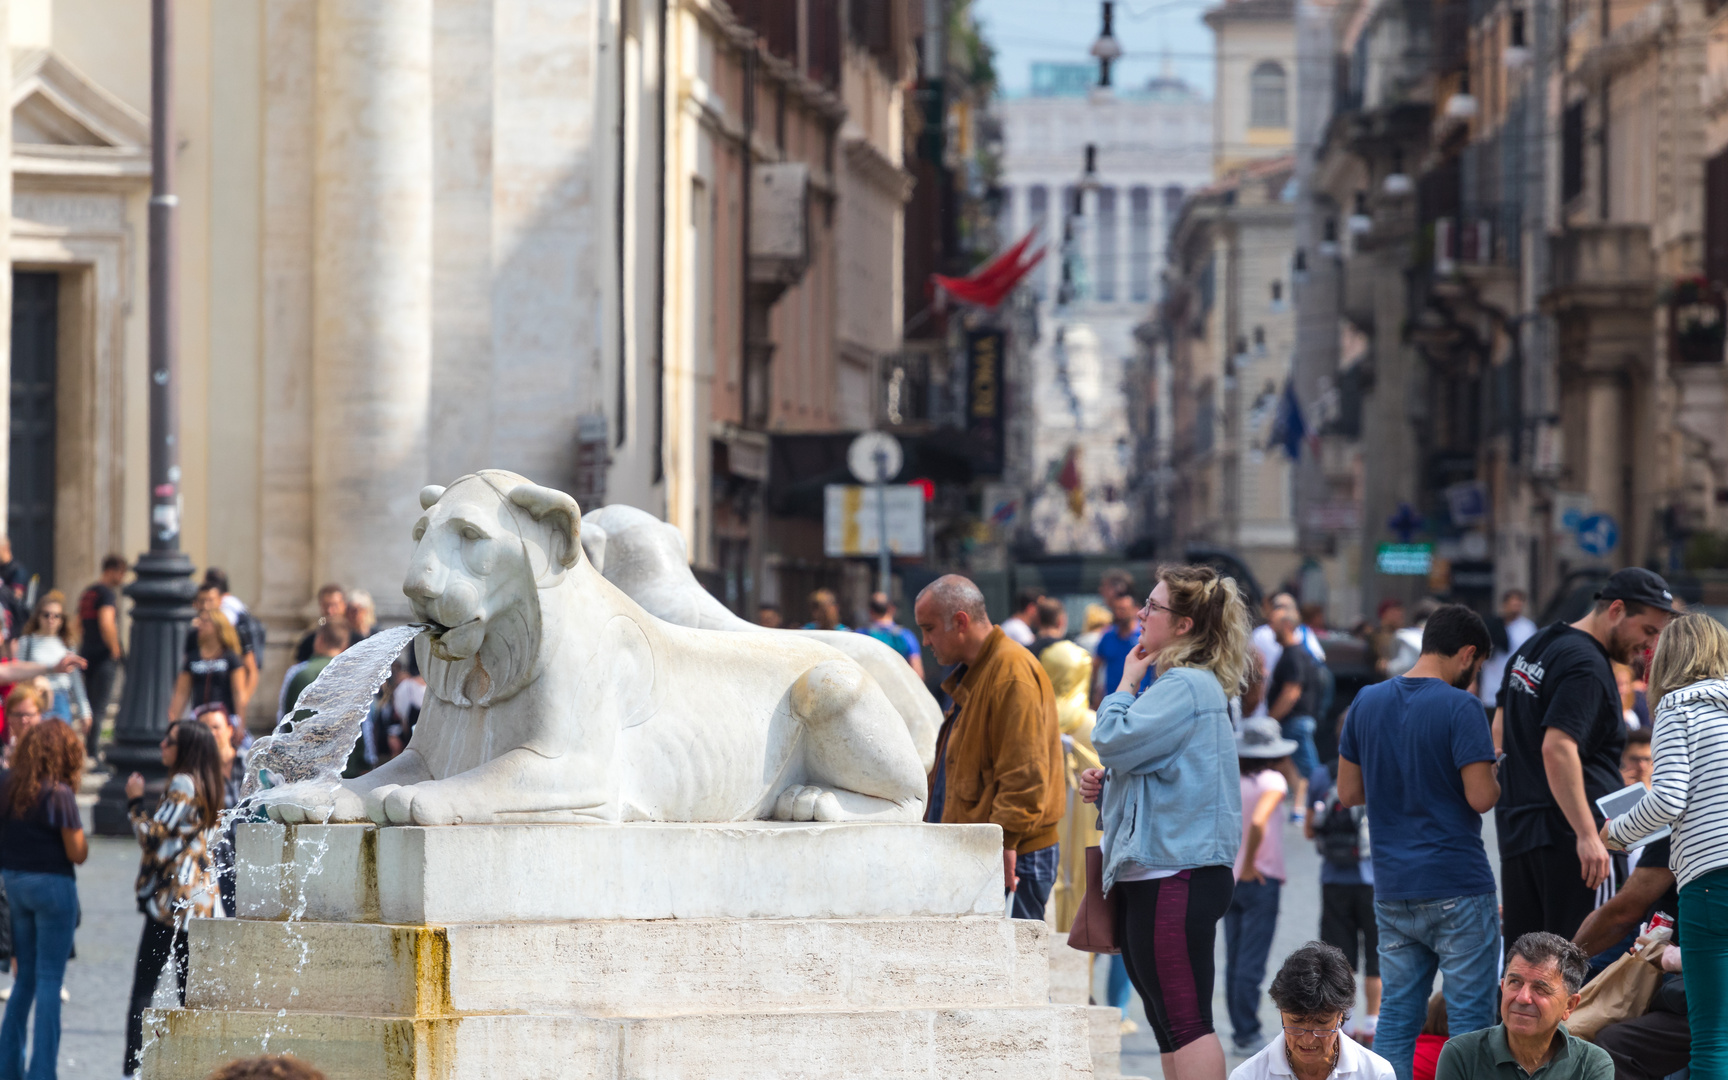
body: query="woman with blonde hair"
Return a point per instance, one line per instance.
(1172, 804)
(213, 670)
(1070, 670)
(48, 636)
(1689, 793)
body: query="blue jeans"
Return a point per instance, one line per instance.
(1459, 936)
(44, 912)
(1248, 926)
(1306, 758)
(1116, 990)
(1037, 873)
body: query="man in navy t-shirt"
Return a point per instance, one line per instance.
(1419, 752)
(1118, 641)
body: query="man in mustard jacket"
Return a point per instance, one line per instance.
(999, 754)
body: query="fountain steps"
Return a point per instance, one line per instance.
(627, 952)
(619, 968)
(1051, 1042)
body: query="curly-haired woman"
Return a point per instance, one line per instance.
(41, 840)
(1172, 804)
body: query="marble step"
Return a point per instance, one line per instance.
(618, 968)
(642, 870)
(1048, 1042)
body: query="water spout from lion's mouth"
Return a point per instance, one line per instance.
(458, 642)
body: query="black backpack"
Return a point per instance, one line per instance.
(1341, 832)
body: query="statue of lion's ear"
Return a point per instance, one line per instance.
(594, 544)
(543, 503)
(430, 494)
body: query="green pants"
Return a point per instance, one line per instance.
(1704, 943)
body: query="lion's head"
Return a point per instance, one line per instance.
(482, 551)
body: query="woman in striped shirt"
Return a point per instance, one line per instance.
(1689, 792)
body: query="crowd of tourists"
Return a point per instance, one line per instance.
(1181, 741)
(58, 669)
(1148, 768)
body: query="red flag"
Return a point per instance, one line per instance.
(992, 283)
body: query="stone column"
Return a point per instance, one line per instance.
(372, 289)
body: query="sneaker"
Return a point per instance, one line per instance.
(65, 994)
(1297, 817)
(1247, 1048)
(5, 993)
(1128, 1027)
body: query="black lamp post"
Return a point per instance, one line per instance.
(162, 590)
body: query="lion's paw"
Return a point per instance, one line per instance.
(802, 802)
(308, 803)
(411, 804)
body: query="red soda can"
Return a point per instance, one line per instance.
(1661, 918)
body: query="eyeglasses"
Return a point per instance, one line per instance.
(1153, 605)
(1316, 1033)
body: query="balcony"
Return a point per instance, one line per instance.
(1603, 266)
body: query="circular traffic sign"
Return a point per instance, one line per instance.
(1598, 534)
(874, 457)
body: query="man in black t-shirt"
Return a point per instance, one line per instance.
(1560, 730)
(98, 611)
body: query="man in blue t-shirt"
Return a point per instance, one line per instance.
(883, 628)
(1419, 752)
(1117, 642)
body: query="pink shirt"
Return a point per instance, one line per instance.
(1269, 860)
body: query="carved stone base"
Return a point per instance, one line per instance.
(918, 976)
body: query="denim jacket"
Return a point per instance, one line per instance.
(1172, 794)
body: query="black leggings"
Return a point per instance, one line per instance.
(159, 940)
(1167, 928)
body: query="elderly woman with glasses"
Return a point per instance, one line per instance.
(1314, 992)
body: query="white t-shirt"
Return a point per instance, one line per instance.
(410, 694)
(1354, 1060)
(1015, 627)
(1518, 631)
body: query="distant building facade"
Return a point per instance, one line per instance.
(1107, 234)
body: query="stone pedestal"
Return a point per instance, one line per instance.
(755, 950)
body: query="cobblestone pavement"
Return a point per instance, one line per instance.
(93, 1023)
(1298, 924)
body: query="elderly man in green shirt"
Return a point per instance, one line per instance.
(1539, 989)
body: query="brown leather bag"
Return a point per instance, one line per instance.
(1094, 928)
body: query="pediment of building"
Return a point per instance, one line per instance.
(64, 122)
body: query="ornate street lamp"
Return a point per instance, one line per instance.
(162, 590)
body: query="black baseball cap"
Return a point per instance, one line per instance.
(1639, 586)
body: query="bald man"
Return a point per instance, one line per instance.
(999, 754)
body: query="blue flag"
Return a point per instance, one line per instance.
(1288, 428)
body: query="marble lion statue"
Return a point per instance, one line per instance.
(552, 696)
(646, 557)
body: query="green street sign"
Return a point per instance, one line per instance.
(1405, 560)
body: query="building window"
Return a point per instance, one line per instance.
(1172, 206)
(1106, 275)
(1572, 152)
(1140, 244)
(1266, 96)
(1716, 218)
